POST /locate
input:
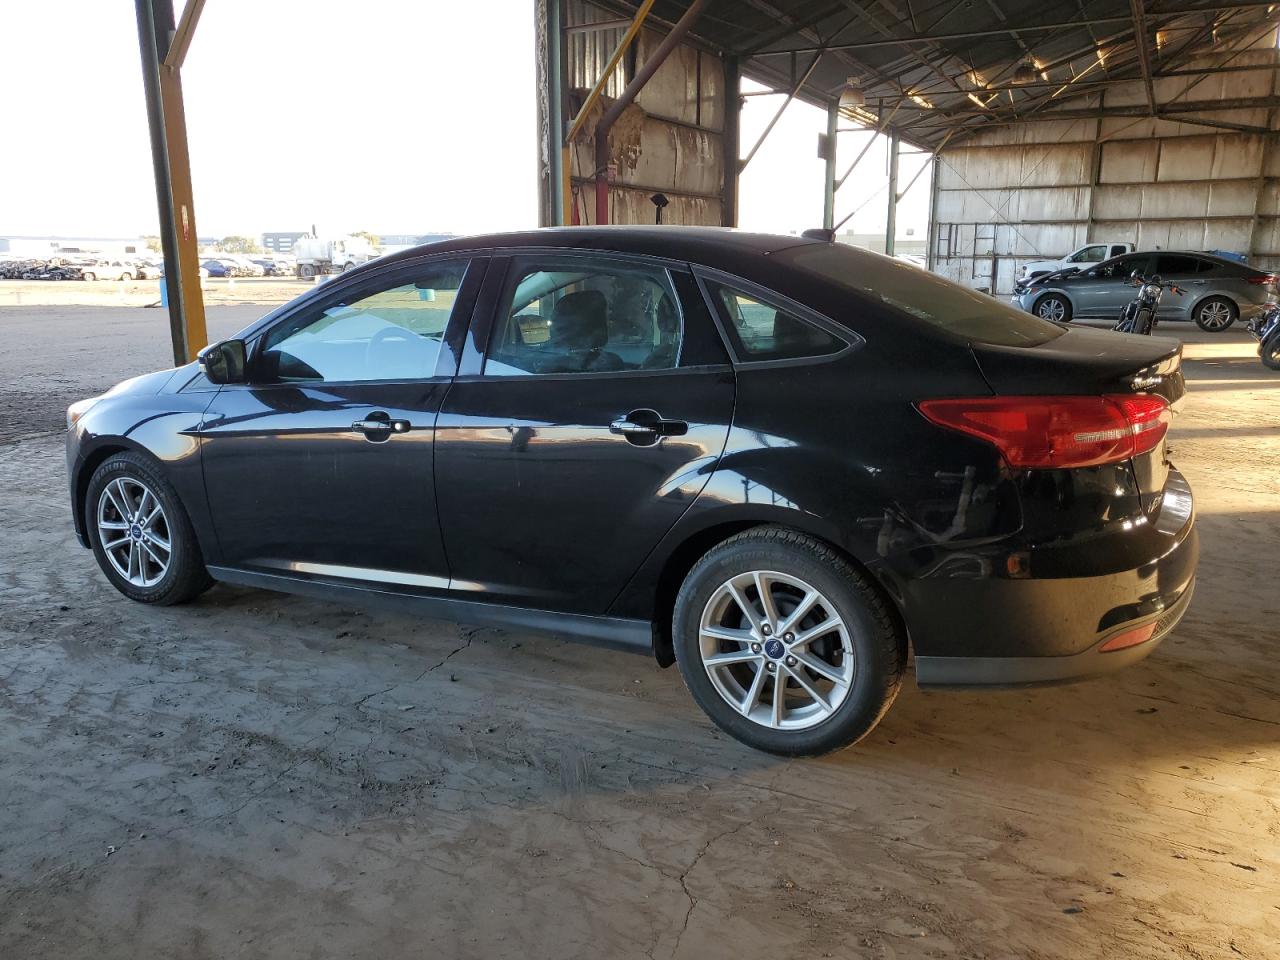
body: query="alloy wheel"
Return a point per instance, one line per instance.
(1215, 315)
(776, 650)
(134, 531)
(1052, 309)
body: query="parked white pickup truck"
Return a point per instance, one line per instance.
(1089, 253)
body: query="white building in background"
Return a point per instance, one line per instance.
(57, 246)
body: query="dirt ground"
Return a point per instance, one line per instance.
(256, 775)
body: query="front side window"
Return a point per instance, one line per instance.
(389, 334)
(761, 331)
(582, 315)
(1123, 267)
(1088, 255)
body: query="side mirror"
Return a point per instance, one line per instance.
(224, 362)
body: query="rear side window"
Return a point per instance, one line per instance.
(923, 295)
(586, 315)
(762, 331)
(1173, 264)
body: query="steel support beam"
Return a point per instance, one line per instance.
(795, 89)
(829, 169)
(162, 85)
(553, 194)
(1011, 29)
(186, 29)
(1144, 51)
(891, 220)
(732, 145)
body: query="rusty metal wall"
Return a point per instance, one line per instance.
(673, 142)
(1039, 189)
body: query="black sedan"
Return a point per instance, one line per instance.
(779, 462)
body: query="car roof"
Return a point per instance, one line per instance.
(713, 246)
(1198, 254)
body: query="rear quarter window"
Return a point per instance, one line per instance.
(922, 295)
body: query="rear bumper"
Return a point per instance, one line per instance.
(943, 672)
(1006, 632)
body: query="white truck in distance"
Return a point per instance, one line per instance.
(319, 255)
(1084, 257)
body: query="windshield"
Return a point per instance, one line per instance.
(926, 296)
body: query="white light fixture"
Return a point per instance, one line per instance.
(852, 96)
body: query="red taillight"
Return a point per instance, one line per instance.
(1058, 432)
(1268, 279)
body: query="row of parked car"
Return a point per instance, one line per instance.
(243, 266)
(137, 268)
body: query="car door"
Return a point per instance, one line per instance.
(1185, 271)
(595, 402)
(321, 465)
(1105, 289)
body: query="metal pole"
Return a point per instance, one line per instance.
(891, 221)
(162, 86)
(829, 172)
(555, 208)
(732, 145)
(778, 116)
(931, 254)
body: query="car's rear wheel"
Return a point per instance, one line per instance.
(90, 275)
(1215, 314)
(785, 644)
(1054, 307)
(141, 535)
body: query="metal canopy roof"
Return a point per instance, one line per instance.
(936, 71)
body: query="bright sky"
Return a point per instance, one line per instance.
(379, 115)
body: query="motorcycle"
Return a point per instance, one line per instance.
(1139, 315)
(1266, 328)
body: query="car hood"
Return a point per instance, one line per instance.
(147, 383)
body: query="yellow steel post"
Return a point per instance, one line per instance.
(175, 134)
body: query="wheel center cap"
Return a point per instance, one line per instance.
(774, 648)
(135, 531)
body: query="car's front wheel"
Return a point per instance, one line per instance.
(785, 644)
(1054, 307)
(141, 535)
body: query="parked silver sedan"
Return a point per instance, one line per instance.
(1218, 291)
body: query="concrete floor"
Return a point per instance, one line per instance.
(260, 776)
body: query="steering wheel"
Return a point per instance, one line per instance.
(384, 335)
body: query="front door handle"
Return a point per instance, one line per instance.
(644, 427)
(378, 426)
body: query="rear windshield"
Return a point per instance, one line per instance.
(926, 296)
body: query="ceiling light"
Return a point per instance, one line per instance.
(852, 96)
(1026, 73)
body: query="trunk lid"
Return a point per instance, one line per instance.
(1088, 361)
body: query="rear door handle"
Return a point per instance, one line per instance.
(644, 427)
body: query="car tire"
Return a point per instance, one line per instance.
(1270, 351)
(139, 568)
(90, 276)
(1055, 304)
(1215, 314)
(849, 632)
